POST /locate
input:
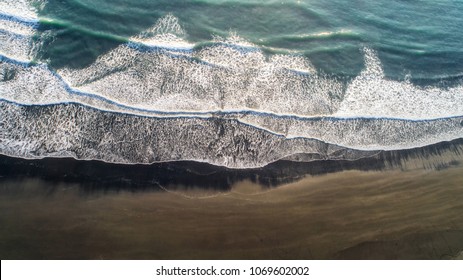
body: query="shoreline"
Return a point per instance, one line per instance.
(198, 174)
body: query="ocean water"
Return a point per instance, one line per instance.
(232, 83)
(271, 94)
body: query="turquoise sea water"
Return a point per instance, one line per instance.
(420, 38)
(250, 81)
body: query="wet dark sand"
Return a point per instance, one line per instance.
(99, 176)
(394, 214)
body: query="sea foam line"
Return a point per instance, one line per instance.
(223, 115)
(194, 114)
(242, 164)
(347, 112)
(34, 23)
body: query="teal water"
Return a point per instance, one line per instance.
(418, 38)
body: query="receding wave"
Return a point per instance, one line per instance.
(158, 97)
(70, 130)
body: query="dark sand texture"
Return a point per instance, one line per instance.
(346, 215)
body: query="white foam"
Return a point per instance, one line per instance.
(34, 85)
(75, 131)
(16, 47)
(236, 75)
(26, 10)
(228, 77)
(18, 22)
(273, 100)
(166, 33)
(16, 40)
(16, 27)
(371, 94)
(363, 134)
(37, 85)
(168, 24)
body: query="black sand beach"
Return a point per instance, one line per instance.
(406, 207)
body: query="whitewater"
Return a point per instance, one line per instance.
(159, 97)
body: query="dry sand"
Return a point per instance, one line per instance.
(348, 215)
